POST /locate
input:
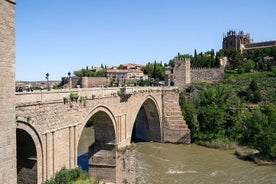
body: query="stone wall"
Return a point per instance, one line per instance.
(86, 82)
(90, 82)
(206, 74)
(175, 129)
(182, 74)
(7, 90)
(126, 166)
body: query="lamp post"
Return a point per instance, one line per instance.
(47, 77)
(69, 75)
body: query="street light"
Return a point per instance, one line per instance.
(47, 77)
(69, 75)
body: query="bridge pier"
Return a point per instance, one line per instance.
(175, 129)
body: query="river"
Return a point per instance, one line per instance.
(160, 163)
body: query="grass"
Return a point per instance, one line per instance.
(266, 82)
(218, 144)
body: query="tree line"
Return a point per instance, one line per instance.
(225, 113)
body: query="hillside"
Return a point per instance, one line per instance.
(240, 109)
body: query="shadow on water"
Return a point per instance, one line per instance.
(83, 161)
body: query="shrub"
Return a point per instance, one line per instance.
(68, 176)
(74, 96)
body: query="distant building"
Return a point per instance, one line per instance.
(257, 46)
(243, 42)
(129, 73)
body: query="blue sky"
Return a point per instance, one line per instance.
(58, 36)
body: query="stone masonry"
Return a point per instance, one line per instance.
(7, 96)
(56, 125)
(85, 82)
(175, 128)
(182, 74)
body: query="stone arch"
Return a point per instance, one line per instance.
(101, 155)
(35, 159)
(147, 123)
(103, 109)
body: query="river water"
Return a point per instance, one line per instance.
(160, 163)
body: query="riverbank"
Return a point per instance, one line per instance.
(242, 152)
(218, 144)
(250, 154)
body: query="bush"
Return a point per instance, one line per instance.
(69, 176)
(273, 69)
(240, 70)
(74, 96)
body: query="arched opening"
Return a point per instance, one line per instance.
(147, 123)
(26, 158)
(97, 147)
(86, 140)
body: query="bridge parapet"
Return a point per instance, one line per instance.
(44, 96)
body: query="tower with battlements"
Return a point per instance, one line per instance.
(232, 40)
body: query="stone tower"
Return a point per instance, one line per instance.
(182, 72)
(7, 93)
(232, 40)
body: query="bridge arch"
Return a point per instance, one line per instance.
(29, 154)
(100, 108)
(147, 124)
(100, 129)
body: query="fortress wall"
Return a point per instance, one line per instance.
(7, 98)
(86, 82)
(90, 82)
(206, 74)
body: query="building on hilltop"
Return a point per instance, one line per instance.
(232, 40)
(130, 74)
(243, 42)
(257, 46)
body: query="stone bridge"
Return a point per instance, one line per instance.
(90, 128)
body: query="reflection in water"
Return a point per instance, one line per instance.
(159, 163)
(83, 162)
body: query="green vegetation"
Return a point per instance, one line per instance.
(154, 70)
(90, 73)
(74, 97)
(130, 147)
(203, 60)
(240, 109)
(71, 176)
(143, 82)
(260, 60)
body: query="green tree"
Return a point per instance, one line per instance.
(248, 65)
(154, 70)
(211, 113)
(190, 115)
